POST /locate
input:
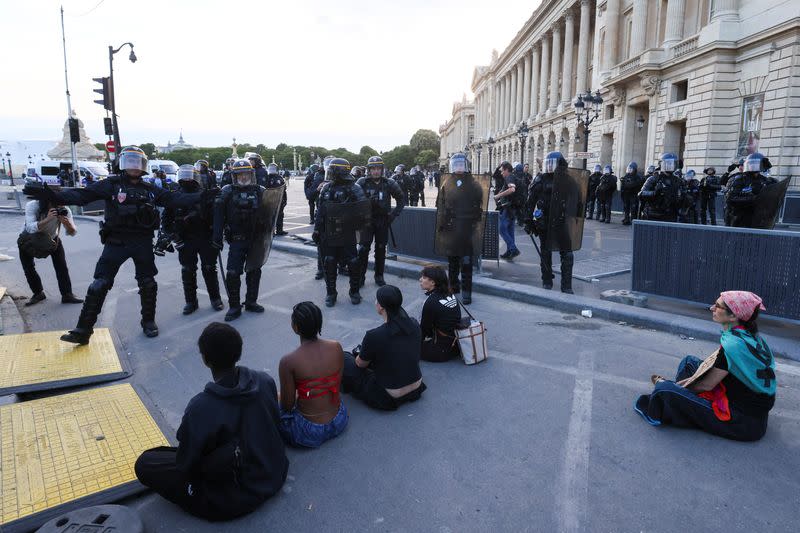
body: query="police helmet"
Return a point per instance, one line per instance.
(326, 163)
(375, 161)
(339, 168)
(669, 162)
(651, 169)
(690, 174)
(632, 167)
(255, 159)
(188, 173)
(272, 169)
(201, 165)
(458, 163)
(755, 163)
(243, 173)
(597, 168)
(710, 171)
(607, 169)
(554, 160)
(229, 162)
(519, 168)
(313, 169)
(133, 158)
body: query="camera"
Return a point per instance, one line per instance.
(62, 211)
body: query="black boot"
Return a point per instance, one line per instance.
(330, 281)
(547, 266)
(466, 282)
(92, 305)
(380, 264)
(234, 284)
(453, 268)
(320, 269)
(212, 286)
(363, 264)
(355, 281)
(189, 278)
(148, 290)
(567, 260)
(253, 280)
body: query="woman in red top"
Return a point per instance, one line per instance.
(311, 410)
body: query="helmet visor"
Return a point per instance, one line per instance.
(550, 165)
(188, 173)
(458, 165)
(244, 177)
(631, 169)
(752, 164)
(133, 160)
(272, 168)
(668, 165)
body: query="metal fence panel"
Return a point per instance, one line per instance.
(694, 262)
(414, 228)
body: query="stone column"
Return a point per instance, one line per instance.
(673, 31)
(545, 76)
(569, 41)
(536, 51)
(612, 33)
(512, 108)
(555, 62)
(526, 88)
(520, 91)
(506, 95)
(495, 107)
(584, 47)
(638, 27)
(725, 10)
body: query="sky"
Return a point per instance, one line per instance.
(343, 73)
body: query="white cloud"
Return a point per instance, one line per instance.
(310, 72)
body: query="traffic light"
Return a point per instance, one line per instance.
(107, 100)
(107, 126)
(74, 131)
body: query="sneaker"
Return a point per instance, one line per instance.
(76, 337)
(547, 285)
(355, 298)
(190, 307)
(217, 305)
(149, 328)
(254, 307)
(506, 255)
(379, 281)
(515, 253)
(35, 299)
(70, 298)
(233, 313)
(281, 233)
(330, 300)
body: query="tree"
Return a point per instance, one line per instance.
(148, 149)
(426, 158)
(425, 140)
(367, 151)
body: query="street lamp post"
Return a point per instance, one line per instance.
(478, 149)
(10, 168)
(490, 143)
(522, 133)
(132, 58)
(587, 108)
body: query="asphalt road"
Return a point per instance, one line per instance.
(541, 437)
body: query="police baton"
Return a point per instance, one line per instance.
(222, 273)
(533, 240)
(391, 234)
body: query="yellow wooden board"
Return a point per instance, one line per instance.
(80, 446)
(2, 292)
(40, 361)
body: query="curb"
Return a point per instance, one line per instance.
(11, 321)
(570, 303)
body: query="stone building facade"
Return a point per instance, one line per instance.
(710, 80)
(457, 133)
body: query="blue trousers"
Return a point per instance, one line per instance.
(506, 228)
(671, 404)
(297, 430)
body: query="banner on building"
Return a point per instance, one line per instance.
(750, 124)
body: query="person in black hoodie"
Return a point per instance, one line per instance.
(441, 315)
(230, 457)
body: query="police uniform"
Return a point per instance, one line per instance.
(662, 192)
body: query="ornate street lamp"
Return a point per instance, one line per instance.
(10, 168)
(132, 58)
(587, 109)
(639, 122)
(490, 143)
(522, 133)
(478, 148)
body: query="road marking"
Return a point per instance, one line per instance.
(572, 490)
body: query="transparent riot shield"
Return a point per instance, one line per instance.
(264, 228)
(343, 220)
(461, 214)
(567, 209)
(768, 204)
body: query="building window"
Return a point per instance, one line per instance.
(628, 33)
(609, 111)
(680, 91)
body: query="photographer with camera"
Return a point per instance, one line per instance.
(39, 239)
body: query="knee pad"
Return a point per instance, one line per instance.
(186, 268)
(99, 286)
(329, 260)
(231, 274)
(148, 283)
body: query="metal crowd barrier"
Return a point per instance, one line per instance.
(415, 227)
(695, 263)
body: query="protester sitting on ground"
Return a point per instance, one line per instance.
(731, 392)
(41, 222)
(385, 372)
(440, 317)
(230, 457)
(311, 409)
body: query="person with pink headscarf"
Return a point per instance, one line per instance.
(730, 393)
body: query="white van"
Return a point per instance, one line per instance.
(92, 171)
(47, 171)
(170, 168)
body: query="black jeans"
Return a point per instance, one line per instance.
(139, 248)
(59, 264)
(362, 384)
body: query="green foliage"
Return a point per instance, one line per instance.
(425, 140)
(100, 146)
(426, 158)
(148, 148)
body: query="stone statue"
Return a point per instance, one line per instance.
(84, 149)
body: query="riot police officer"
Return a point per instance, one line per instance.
(630, 185)
(416, 187)
(310, 190)
(744, 190)
(662, 192)
(688, 210)
(605, 194)
(402, 180)
(130, 217)
(274, 180)
(591, 198)
(208, 178)
(227, 177)
(709, 186)
(191, 230)
(380, 192)
(260, 170)
(340, 190)
(237, 211)
(320, 178)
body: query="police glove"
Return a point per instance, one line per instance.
(732, 167)
(179, 244)
(315, 237)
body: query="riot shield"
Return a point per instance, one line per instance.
(567, 209)
(768, 204)
(343, 220)
(461, 214)
(264, 228)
